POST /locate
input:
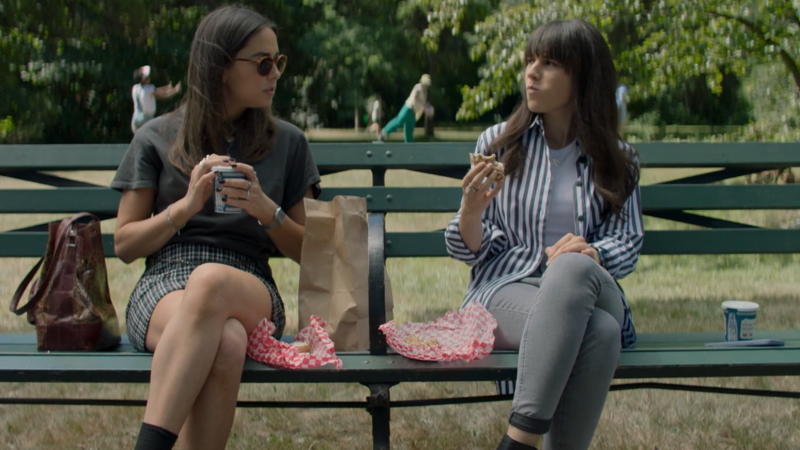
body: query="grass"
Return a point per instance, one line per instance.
(668, 293)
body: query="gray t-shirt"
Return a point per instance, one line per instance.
(285, 175)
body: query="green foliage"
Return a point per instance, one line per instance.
(502, 36)
(349, 57)
(6, 127)
(68, 66)
(693, 102)
(710, 37)
(658, 45)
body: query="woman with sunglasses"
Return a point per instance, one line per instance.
(547, 243)
(207, 282)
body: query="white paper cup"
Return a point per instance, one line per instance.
(225, 172)
(740, 320)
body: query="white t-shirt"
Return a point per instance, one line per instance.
(417, 99)
(376, 111)
(144, 99)
(561, 211)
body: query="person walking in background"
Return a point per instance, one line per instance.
(547, 243)
(622, 105)
(375, 115)
(415, 106)
(145, 95)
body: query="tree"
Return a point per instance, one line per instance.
(67, 66)
(349, 55)
(69, 63)
(658, 44)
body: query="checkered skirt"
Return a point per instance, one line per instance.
(169, 269)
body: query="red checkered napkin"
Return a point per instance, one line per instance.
(262, 347)
(466, 334)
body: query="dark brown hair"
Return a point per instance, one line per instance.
(218, 38)
(584, 54)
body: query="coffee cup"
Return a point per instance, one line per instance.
(224, 172)
(740, 320)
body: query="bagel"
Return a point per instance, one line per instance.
(475, 158)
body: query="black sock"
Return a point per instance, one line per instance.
(152, 437)
(509, 444)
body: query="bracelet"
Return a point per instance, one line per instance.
(171, 223)
(277, 220)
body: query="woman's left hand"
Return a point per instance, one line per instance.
(571, 243)
(246, 193)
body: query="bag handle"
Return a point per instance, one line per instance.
(21, 289)
(61, 233)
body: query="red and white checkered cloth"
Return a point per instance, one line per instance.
(262, 347)
(466, 334)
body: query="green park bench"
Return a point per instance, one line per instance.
(670, 355)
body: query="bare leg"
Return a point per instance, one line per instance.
(186, 331)
(211, 419)
(534, 440)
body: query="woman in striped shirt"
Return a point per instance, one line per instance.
(547, 243)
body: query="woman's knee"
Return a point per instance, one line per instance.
(576, 265)
(575, 269)
(231, 351)
(206, 289)
(603, 333)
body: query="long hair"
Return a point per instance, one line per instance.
(218, 38)
(584, 54)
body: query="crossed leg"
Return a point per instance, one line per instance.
(199, 337)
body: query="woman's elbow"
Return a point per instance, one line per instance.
(124, 256)
(123, 251)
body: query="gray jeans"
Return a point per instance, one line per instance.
(566, 326)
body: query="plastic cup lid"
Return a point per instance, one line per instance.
(740, 305)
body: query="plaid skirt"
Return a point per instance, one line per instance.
(169, 269)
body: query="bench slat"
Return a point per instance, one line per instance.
(719, 197)
(61, 200)
(658, 242)
(682, 355)
(430, 199)
(417, 156)
(431, 243)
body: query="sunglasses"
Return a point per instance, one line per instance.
(264, 64)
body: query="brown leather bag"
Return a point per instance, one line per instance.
(70, 302)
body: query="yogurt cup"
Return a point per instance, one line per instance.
(225, 172)
(740, 320)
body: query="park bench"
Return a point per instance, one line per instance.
(670, 355)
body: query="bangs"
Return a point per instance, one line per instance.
(556, 41)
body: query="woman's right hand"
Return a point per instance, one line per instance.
(201, 182)
(476, 185)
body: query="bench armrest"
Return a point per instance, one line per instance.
(377, 288)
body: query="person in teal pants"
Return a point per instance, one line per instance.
(413, 109)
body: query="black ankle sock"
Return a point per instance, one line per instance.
(509, 444)
(152, 437)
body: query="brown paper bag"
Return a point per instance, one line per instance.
(334, 271)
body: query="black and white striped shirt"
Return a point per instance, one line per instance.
(513, 225)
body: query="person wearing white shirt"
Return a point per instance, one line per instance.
(415, 106)
(144, 96)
